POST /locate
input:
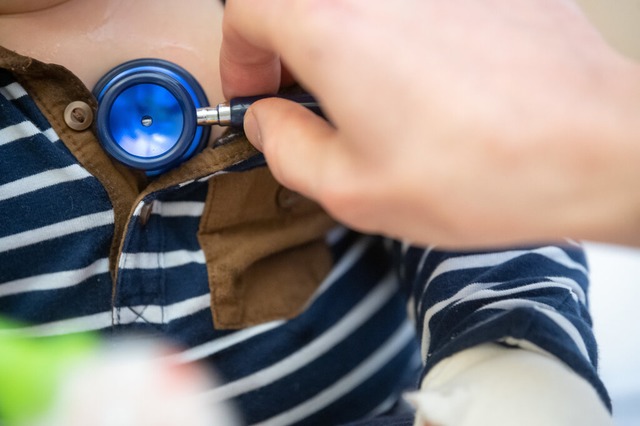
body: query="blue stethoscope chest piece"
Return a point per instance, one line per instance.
(147, 115)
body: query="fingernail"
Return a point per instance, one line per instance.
(252, 129)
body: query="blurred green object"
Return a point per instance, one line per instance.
(32, 369)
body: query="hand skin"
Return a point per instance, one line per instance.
(455, 122)
(23, 6)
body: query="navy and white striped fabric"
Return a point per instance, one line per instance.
(348, 356)
(533, 298)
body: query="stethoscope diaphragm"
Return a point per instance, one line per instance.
(146, 115)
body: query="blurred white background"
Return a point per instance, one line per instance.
(615, 285)
(615, 307)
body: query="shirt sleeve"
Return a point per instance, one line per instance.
(531, 298)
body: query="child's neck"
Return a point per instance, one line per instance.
(91, 37)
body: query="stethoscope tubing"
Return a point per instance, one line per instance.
(232, 113)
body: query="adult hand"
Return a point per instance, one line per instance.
(454, 122)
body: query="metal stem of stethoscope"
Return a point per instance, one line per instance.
(232, 113)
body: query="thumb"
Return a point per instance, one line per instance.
(297, 143)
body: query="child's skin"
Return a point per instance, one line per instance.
(91, 37)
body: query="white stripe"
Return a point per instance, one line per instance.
(412, 309)
(54, 280)
(13, 91)
(573, 242)
(178, 208)
(187, 307)
(487, 260)
(404, 247)
(173, 208)
(335, 234)
(42, 180)
(328, 340)
(488, 293)
(357, 376)
(24, 130)
(415, 364)
(437, 307)
(138, 209)
(51, 135)
(202, 351)
(152, 313)
(561, 257)
(423, 258)
(163, 260)
(478, 291)
(56, 230)
(157, 314)
(188, 182)
(355, 253)
(202, 179)
(208, 177)
(551, 313)
(93, 322)
(18, 131)
(383, 407)
(577, 292)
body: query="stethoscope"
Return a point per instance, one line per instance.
(153, 115)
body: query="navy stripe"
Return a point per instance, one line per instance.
(51, 205)
(339, 247)
(34, 155)
(194, 330)
(91, 296)
(165, 234)
(155, 286)
(5, 77)
(188, 281)
(196, 191)
(73, 251)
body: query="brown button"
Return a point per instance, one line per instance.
(78, 115)
(286, 198)
(145, 213)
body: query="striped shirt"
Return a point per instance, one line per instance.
(349, 355)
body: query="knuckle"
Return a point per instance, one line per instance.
(347, 203)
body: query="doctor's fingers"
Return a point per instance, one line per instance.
(303, 151)
(316, 39)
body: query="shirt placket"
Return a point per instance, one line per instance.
(140, 279)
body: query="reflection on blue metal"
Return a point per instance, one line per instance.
(147, 115)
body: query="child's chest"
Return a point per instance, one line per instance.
(91, 37)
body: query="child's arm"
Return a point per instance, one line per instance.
(493, 385)
(510, 323)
